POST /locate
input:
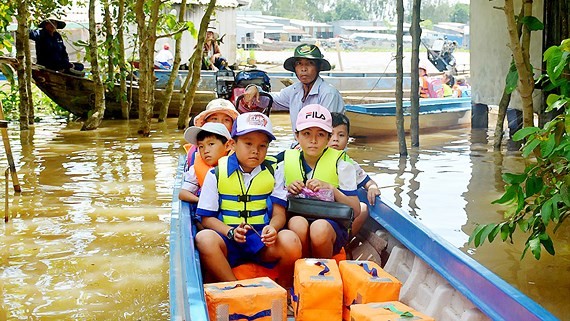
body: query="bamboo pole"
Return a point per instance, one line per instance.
(6, 140)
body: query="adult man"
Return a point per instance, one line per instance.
(306, 63)
(164, 58)
(213, 59)
(50, 49)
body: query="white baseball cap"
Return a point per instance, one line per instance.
(191, 133)
(251, 122)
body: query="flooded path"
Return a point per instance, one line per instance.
(88, 237)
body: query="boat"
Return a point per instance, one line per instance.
(438, 279)
(75, 94)
(435, 114)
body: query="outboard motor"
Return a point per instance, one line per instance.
(225, 80)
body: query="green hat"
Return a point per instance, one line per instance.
(307, 52)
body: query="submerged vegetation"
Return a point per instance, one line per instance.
(540, 196)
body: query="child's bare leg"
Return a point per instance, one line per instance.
(322, 237)
(213, 254)
(300, 226)
(287, 249)
(360, 219)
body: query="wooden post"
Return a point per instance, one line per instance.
(400, 80)
(6, 140)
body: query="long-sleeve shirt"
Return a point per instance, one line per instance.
(50, 50)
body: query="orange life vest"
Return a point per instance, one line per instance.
(424, 87)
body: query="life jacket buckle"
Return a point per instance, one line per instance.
(244, 198)
(244, 213)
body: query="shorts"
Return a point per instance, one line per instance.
(248, 252)
(341, 235)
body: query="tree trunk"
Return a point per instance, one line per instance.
(499, 130)
(28, 61)
(521, 56)
(109, 42)
(196, 64)
(94, 120)
(125, 102)
(400, 80)
(416, 33)
(147, 37)
(175, 67)
(21, 37)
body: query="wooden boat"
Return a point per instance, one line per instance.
(435, 113)
(75, 94)
(438, 279)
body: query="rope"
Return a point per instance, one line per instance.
(378, 81)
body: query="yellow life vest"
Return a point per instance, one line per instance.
(239, 203)
(325, 170)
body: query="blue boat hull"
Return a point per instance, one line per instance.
(461, 276)
(435, 114)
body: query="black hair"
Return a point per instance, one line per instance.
(340, 119)
(205, 134)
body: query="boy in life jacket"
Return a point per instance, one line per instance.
(234, 208)
(317, 167)
(217, 111)
(213, 141)
(339, 141)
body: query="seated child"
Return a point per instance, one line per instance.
(338, 141)
(233, 205)
(213, 141)
(217, 111)
(316, 167)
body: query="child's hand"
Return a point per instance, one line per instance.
(315, 185)
(268, 235)
(240, 231)
(373, 191)
(295, 187)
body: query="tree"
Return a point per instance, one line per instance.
(349, 10)
(460, 13)
(400, 80)
(416, 32)
(96, 116)
(21, 40)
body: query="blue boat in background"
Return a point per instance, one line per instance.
(435, 114)
(438, 279)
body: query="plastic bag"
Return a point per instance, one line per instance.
(322, 194)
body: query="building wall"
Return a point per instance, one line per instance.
(490, 54)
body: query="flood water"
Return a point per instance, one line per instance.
(88, 236)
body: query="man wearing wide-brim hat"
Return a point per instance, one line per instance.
(306, 63)
(50, 48)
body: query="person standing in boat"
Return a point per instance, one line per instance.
(50, 49)
(307, 62)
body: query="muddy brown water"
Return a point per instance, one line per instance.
(88, 236)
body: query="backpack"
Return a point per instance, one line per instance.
(435, 87)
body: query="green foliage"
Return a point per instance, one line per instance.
(460, 13)
(539, 198)
(349, 10)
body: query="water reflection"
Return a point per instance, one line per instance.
(89, 233)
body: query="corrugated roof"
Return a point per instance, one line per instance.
(219, 3)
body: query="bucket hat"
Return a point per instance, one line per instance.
(308, 52)
(58, 23)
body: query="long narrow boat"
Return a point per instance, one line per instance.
(75, 94)
(435, 113)
(438, 279)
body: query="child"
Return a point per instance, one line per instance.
(213, 141)
(338, 141)
(317, 167)
(237, 192)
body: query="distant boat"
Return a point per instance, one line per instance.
(75, 94)
(438, 279)
(435, 114)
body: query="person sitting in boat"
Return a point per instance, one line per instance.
(50, 49)
(240, 228)
(462, 88)
(307, 62)
(448, 83)
(217, 111)
(318, 169)
(213, 141)
(339, 141)
(424, 81)
(213, 59)
(164, 58)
